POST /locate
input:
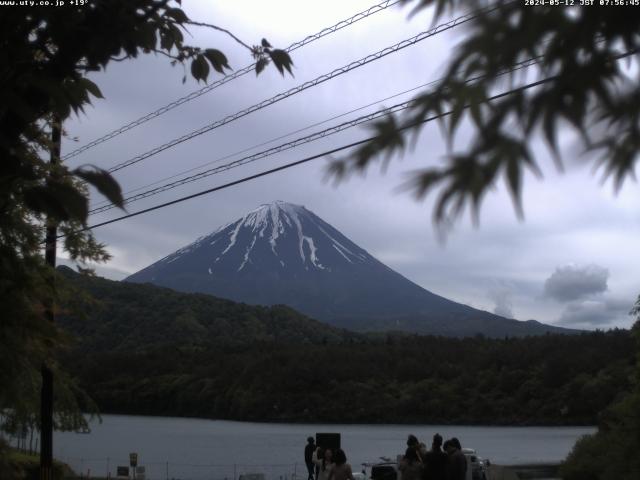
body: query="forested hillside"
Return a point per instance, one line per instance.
(104, 315)
(553, 379)
(149, 350)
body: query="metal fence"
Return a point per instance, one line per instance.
(107, 468)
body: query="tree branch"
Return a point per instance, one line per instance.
(168, 55)
(220, 29)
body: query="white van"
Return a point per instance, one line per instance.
(475, 465)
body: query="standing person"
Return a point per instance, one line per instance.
(422, 452)
(309, 450)
(456, 461)
(411, 466)
(341, 469)
(324, 463)
(435, 461)
(414, 444)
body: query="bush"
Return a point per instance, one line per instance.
(15, 465)
(612, 453)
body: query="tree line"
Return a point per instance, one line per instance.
(551, 380)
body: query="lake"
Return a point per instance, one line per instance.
(198, 449)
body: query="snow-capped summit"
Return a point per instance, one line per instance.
(278, 235)
(281, 253)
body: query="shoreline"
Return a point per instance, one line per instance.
(328, 422)
(531, 471)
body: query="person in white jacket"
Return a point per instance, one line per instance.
(323, 458)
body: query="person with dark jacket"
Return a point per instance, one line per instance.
(435, 461)
(456, 461)
(309, 449)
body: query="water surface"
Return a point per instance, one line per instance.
(200, 449)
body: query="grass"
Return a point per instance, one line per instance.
(30, 464)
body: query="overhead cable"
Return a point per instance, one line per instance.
(267, 142)
(305, 86)
(302, 161)
(227, 78)
(292, 144)
(106, 205)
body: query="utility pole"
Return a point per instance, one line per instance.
(46, 398)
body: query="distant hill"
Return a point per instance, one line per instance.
(129, 317)
(282, 253)
(143, 349)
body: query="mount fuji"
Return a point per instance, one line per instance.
(282, 253)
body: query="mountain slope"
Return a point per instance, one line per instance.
(116, 316)
(284, 254)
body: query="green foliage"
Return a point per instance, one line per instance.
(281, 60)
(8, 466)
(15, 465)
(612, 452)
(217, 59)
(150, 350)
(105, 315)
(103, 182)
(582, 86)
(45, 58)
(416, 380)
(265, 53)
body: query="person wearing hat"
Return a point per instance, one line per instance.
(309, 449)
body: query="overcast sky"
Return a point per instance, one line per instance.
(573, 261)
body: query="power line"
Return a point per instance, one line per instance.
(304, 160)
(311, 83)
(267, 142)
(238, 73)
(257, 156)
(297, 142)
(106, 205)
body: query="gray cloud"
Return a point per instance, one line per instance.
(594, 312)
(573, 282)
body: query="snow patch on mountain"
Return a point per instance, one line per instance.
(246, 254)
(233, 237)
(341, 248)
(270, 220)
(342, 253)
(272, 224)
(312, 255)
